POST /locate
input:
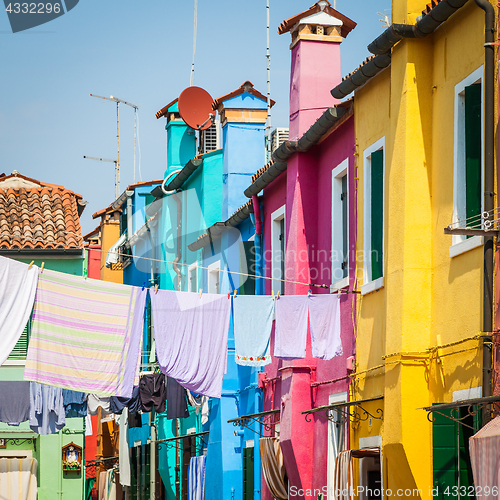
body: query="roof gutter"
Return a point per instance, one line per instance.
(215, 231)
(383, 44)
(317, 130)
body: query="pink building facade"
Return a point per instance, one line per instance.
(309, 230)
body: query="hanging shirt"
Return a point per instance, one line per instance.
(191, 338)
(153, 392)
(47, 414)
(86, 334)
(75, 403)
(14, 402)
(17, 295)
(176, 400)
(93, 403)
(253, 317)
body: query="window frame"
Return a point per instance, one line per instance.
(340, 397)
(340, 171)
(370, 285)
(193, 268)
(461, 243)
(277, 258)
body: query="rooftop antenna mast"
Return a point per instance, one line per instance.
(268, 57)
(110, 161)
(195, 28)
(118, 101)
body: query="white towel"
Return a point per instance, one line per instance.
(324, 319)
(17, 296)
(124, 450)
(291, 326)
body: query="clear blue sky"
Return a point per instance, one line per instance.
(139, 51)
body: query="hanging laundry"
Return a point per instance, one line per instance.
(117, 404)
(200, 403)
(86, 334)
(153, 392)
(14, 402)
(191, 338)
(134, 420)
(88, 425)
(103, 485)
(17, 295)
(176, 400)
(124, 449)
(291, 326)
(273, 467)
(47, 414)
(324, 319)
(93, 403)
(196, 478)
(75, 403)
(18, 478)
(253, 317)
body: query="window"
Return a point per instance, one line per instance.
(340, 226)
(213, 277)
(337, 435)
(193, 277)
(20, 350)
(468, 154)
(374, 217)
(278, 246)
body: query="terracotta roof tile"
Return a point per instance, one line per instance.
(45, 216)
(245, 87)
(430, 6)
(347, 24)
(163, 111)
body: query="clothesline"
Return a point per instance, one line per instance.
(327, 287)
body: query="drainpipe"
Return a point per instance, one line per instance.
(179, 237)
(257, 219)
(257, 465)
(489, 191)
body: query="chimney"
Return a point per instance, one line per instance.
(316, 37)
(243, 115)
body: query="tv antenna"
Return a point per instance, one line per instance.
(118, 102)
(110, 161)
(386, 21)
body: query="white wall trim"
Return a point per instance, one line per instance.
(276, 217)
(470, 393)
(380, 144)
(459, 209)
(212, 270)
(465, 245)
(338, 173)
(191, 268)
(372, 286)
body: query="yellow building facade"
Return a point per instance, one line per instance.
(419, 313)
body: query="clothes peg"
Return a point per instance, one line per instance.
(156, 289)
(228, 294)
(31, 263)
(278, 294)
(309, 293)
(41, 268)
(235, 293)
(201, 291)
(143, 286)
(272, 293)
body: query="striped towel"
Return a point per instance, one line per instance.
(86, 335)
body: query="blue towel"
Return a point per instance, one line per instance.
(75, 403)
(253, 320)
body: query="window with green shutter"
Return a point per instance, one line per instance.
(377, 214)
(450, 454)
(21, 348)
(248, 473)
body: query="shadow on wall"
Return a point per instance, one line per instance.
(399, 475)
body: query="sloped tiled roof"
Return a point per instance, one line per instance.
(245, 87)
(36, 215)
(163, 111)
(347, 24)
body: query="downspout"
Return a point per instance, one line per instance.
(258, 246)
(178, 256)
(489, 191)
(257, 464)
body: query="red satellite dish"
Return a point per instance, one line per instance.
(195, 108)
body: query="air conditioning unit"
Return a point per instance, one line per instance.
(210, 138)
(278, 136)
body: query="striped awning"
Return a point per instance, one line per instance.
(18, 478)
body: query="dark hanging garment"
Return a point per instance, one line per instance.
(153, 392)
(75, 403)
(14, 402)
(176, 400)
(117, 403)
(134, 420)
